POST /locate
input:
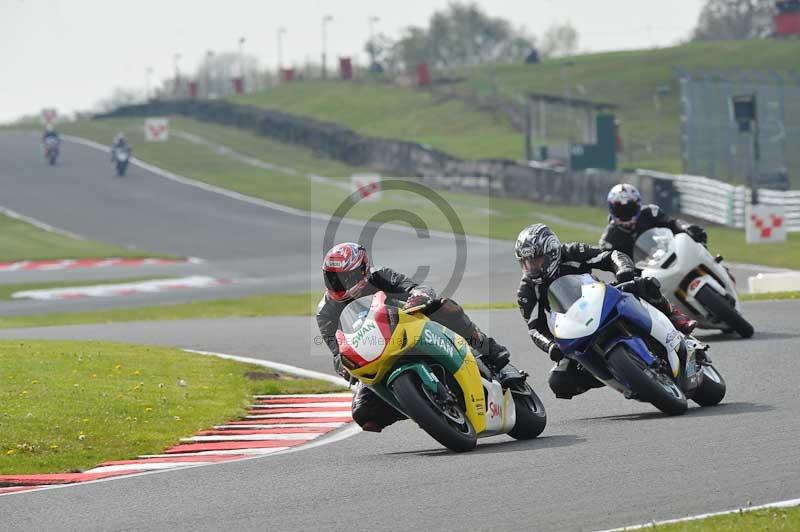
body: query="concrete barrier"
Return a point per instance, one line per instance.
(764, 283)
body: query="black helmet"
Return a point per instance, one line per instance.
(538, 251)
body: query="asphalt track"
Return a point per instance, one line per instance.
(262, 250)
(602, 462)
(272, 250)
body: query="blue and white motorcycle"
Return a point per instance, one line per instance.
(630, 346)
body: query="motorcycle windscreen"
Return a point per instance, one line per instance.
(365, 328)
(576, 306)
(654, 248)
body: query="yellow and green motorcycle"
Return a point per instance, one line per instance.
(428, 373)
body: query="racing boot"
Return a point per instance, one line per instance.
(679, 320)
(371, 412)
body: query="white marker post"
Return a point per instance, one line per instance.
(156, 129)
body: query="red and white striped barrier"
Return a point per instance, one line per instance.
(313, 417)
(74, 264)
(120, 289)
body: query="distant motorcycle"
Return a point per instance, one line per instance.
(121, 157)
(630, 346)
(692, 279)
(52, 146)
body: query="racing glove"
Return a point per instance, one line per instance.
(420, 297)
(697, 233)
(556, 355)
(339, 368)
(623, 276)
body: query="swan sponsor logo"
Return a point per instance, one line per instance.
(362, 332)
(439, 342)
(495, 409)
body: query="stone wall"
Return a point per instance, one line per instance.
(399, 158)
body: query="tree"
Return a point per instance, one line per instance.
(734, 20)
(560, 40)
(460, 35)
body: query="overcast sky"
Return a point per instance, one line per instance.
(71, 53)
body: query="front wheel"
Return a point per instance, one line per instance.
(712, 390)
(445, 421)
(531, 416)
(724, 311)
(648, 384)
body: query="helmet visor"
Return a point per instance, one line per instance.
(534, 266)
(625, 212)
(338, 282)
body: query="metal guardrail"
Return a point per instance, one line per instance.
(723, 203)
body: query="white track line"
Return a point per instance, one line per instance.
(257, 426)
(292, 436)
(298, 395)
(145, 466)
(345, 404)
(40, 224)
(264, 203)
(341, 413)
(781, 504)
(252, 452)
(286, 368)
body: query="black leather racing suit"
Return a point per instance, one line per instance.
(368, 407)
(567, 379)
(620, 239)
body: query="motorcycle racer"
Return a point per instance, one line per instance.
(543, 259)
(348, 275)
(628, 219)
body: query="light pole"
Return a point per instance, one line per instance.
(209, 62)
(242, 40)
(660, 91)
(325, 20)
(281, 32)
(371, 22)
(147, 73)
(175, 58)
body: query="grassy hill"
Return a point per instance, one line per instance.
(627, 79)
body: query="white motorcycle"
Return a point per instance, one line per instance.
(692, 279)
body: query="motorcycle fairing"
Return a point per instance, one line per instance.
(584, 317)
(501, 412)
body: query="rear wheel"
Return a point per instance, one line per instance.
(712, 390)
(442, 418)
(647, 383)
(531, 416)
(723, 310)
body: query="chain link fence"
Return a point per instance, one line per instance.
(714, 145)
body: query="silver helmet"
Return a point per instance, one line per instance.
(538, 251)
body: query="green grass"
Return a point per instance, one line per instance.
(627, 79)
(69, 405)
(22, 241)
(250, 306)
(6, 290)
(770, 296)
(770, 519)
(480, 215)
(380, 110)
